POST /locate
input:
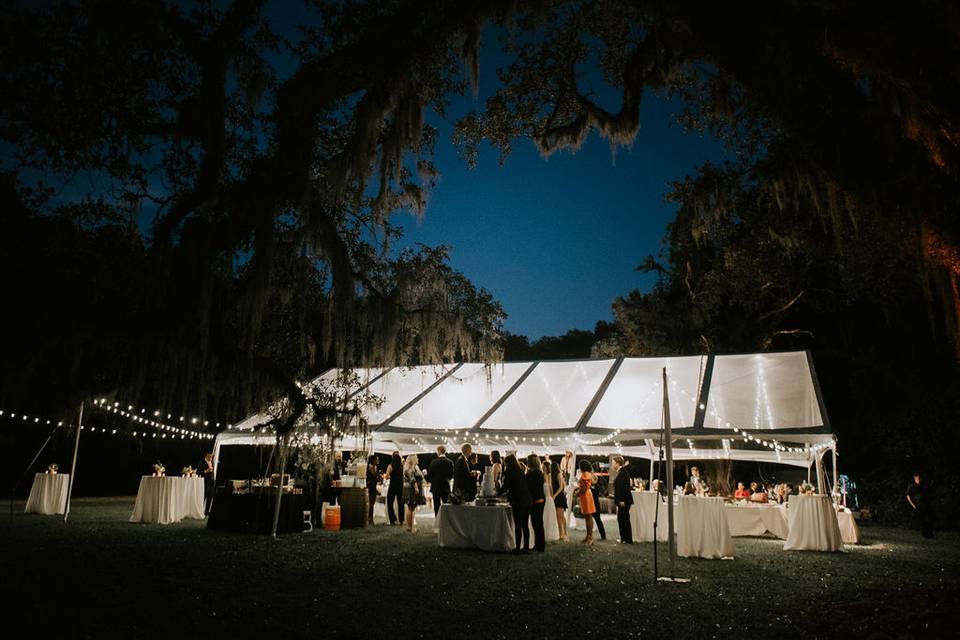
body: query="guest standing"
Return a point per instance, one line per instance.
(439, 474)
(464, 481)
(596, 500)
(585, 495)
(918, 495)
(518, 494)
(372, 477)
(394, 478)
(535, 482)
(623, 498)
(412, 488)
(558, 490)
(206, 472)
(496, 468)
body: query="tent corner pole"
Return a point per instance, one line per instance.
(73, 464)
(671, 531)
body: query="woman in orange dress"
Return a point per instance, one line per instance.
(587, 508)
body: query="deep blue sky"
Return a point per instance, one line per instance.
(557, 240)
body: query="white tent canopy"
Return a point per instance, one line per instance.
(762, 407)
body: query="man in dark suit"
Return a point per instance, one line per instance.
(464, 480)
(439, 475)
(535, 481)
(623, 498)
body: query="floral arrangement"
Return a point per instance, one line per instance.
(52, 468)
(807, 489)
(188, 472)
(159, 470)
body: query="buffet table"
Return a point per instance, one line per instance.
(756, 519)
(642, 514)
(466, 526)
(253, 511)
(48, 495)
(814, 524)
(165, 500)
(702, 530)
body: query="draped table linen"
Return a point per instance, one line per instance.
(849, 531)
(702, 530)
(642, 514)
(465, 526)
(48, 494)
(813, 524)
(756, 520)
(166, 500)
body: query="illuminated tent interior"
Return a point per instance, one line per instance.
(763, 407)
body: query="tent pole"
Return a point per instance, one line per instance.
(671, 532)
(283, 465)
(651, 472)
(73, 465)
(835, 474)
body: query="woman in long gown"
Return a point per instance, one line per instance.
(551, 530)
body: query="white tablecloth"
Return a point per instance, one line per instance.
(849, 531)
(48, 495)
(756, 520)
(641, 517)
(702, 530)
(469, 527)
(813, 524)
(168, 499)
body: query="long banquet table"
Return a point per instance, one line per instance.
(467, 526)
(642, 515)
(752, 519)
(48, 494)
(702, 530)
(813, 523)
(700, 523)
(168, 499)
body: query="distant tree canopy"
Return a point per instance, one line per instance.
(268, 199)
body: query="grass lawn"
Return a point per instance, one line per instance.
(100, 576)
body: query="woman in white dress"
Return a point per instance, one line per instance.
(551, 529)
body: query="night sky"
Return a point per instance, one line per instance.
(557, 240)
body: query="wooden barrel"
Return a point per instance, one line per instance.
(353, 507)
(331, 518)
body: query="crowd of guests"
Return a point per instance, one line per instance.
(528, 484)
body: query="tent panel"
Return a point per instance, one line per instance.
(398, 387)
(554, 396)
(634, 399)
(461, 399)
(762, 391)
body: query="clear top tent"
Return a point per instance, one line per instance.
(763, 407)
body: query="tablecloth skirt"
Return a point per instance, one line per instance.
(702, 530)
(813, 524)
(642, 514)
(471, 527)
(757, 521)
(48, 495)
(849, 531)
(168, 499)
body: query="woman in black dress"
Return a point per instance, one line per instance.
(372, 477)
(558, 492)
(515, 486)
(394, 477)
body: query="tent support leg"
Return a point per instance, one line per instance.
(73, 465)
(835, 473)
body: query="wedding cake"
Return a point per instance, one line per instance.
(487, 488)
